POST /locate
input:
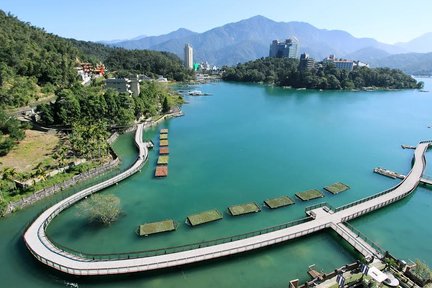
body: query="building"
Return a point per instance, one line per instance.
(340, 64)
(289, 48)
(188, 56)
(306, 62)
(121, 85)
(135, 85)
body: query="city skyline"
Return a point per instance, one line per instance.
(381, 20)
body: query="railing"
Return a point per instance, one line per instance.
(175, 249)
(366, 239)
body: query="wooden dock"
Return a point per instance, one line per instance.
(164, 131)
(237, 210)
(163, 160)
(157, 227)
(388, 173)
(204, 217)
(278, 202)
(337, 188)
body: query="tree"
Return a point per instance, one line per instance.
(422, 270)
(100, 208)
(165, 105)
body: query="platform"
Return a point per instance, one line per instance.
(309, 195)
(204, 217)
(278, 202)
(337, 188)
(161, 171)
(157, 227)
(241, 209)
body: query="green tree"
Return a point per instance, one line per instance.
(165, 105)
(104, 209)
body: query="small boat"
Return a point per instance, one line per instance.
(195, 93)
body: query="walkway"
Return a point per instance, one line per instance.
(323, 217)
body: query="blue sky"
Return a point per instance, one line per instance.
(388, 21)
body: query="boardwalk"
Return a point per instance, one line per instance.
(322, 217)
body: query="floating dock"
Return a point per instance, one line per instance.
(161, 171)
(204, 217)
(163, 143)
(388, 173)
(163, 137)
(242, 209)
(337, 188)
(278, 202)
(157, 227)
(164, 131)
(309, 195)
(163, 160)
(408, 147)
(163, 151)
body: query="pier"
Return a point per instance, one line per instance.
(321, 216)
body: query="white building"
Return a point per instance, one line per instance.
(188, 56)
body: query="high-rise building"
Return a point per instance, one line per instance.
(188, 56)
(288, 48)
(306, 62)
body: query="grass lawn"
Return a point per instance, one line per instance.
(157, 227)
(337, 188)
(36, 147)
(163, 143)
(163, 160)
(309, 195)
(163, 136)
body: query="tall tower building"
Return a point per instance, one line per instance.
(289, 48)
(188, 56)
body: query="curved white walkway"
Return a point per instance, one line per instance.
(47, 253)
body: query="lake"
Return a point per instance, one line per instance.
(248, 143)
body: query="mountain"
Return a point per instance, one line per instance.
(411, 63)
(368, 54)
(250, 39)
(422, 44)
(143, 42)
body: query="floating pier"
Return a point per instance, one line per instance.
(157, 227)
(163, 143)
(164, 131)
(163, 151)
(337, 188)
(242, 209)
(388, 173)
(163, 160)
(278, 202)
(161, 171)
(163, 137)
(309, 195)
(204, 217)
(408, 147)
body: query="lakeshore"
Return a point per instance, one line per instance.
(239, 191)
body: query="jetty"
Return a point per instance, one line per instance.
(163, 143)
(407, 147)
(237, 210)
(157, 227)
(388, 173)
(309, 195)
(278, 202)
(320, 216)
(204, 217)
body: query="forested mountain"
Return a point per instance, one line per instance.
(34, 63)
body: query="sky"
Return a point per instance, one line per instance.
(388, 21)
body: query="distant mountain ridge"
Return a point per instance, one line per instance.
(250, 39)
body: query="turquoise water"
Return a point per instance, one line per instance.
(249, 143)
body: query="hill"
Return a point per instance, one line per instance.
(422, 44)
(250, 39)
(34, 63)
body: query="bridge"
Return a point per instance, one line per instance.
(320, 216)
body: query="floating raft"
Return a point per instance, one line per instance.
(337, 188)
(241, 209)
(164, 131)
(163, 137)
(156, 227)
(163, 143)
(278, 202)
(163, 151)
(163, 160)
(204, 217)
(309, 195)
(161, 171)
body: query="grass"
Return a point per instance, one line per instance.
(164, 131)
(163, 160)
(351, 280)
(163, 136)
(157, 227)
(241, 209)
(337, 188)
(35, 148)
(278, 202)
(163, 143)
(309, 195)
(204, 217)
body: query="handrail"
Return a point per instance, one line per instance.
(365, 238)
